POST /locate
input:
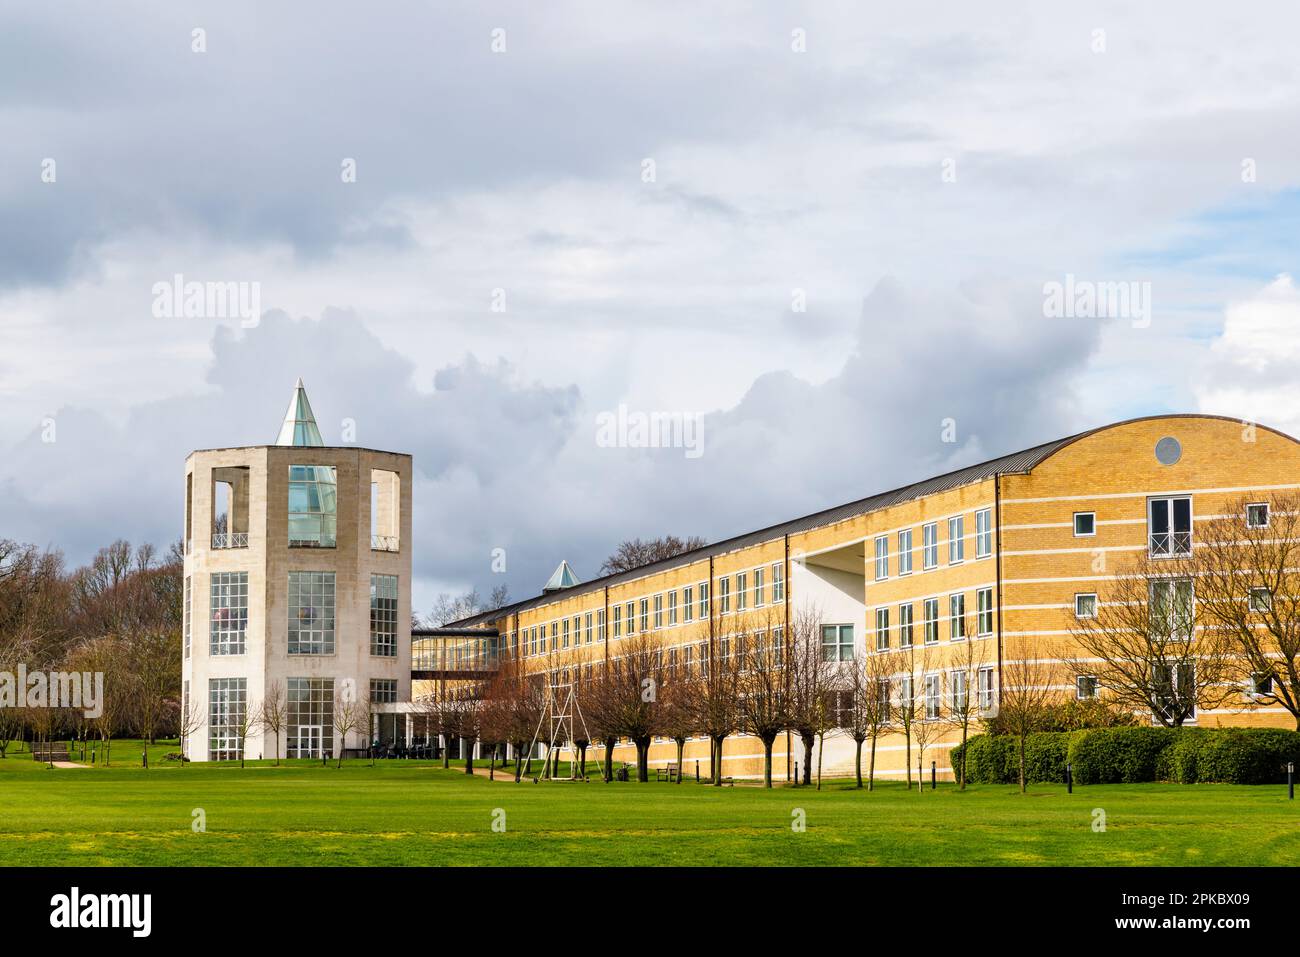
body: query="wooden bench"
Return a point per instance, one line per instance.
(670, 774)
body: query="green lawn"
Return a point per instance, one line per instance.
(410, 813)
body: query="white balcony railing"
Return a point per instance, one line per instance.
(230, 540)
(1170, 543)
(384, 543)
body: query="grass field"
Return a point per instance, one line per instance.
(417, 813)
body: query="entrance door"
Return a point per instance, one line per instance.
(310, 737)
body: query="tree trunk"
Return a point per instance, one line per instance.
(909, 759)
(717, 761)
(821, 749)
(871, 769)
(642, 759)
(1022, 764)
(767, 761)
(446, 756)
(965, 730)
(809, 739)
(469, 757)
(609, 760)
(857, 762)
(681, 768)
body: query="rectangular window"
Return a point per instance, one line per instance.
(905, 614)
(742, 581)
(930, 620)
(688, 603)
(704, 600)
(724, 594)
(311, 613)
(383, 691)
(956, 539)
(1175, 691)
(313, 506)
(778, 583)
(672, 607)
(659, 611)
(555, 636)
(759, 592)
(645, 614)
(882, 629)
(882, 557)
(984, 612)
(983, 533)
(837, 642)
(1171, 609)
(883, 703)
(383, 615)
(229, 613)
(1261, 684)
(905, 552)
(986, 689)
(930, 545)
(1085, 605)
(587, 622)
(187, 612)
(564, 634)
(957, 616)
(309, 721)
(1169, 526)
(600, 625)
(1085, 687)
(1257, 515)
(957, 692)
(227, 704)
(629, 611)
(1085, 524)
(1261, 599)
(618, 621)
(931, 697)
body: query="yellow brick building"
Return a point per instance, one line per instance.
(969, 564)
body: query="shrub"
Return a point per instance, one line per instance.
(1247, 755)
(987, 758)
(1045, 756)
(1118, 755)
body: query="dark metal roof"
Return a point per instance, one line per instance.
(1016, 462)
(453, 632)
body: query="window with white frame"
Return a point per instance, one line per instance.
(703, 606)
(930, 620)
(229, 624)
(984, 612)
(309, 717)
(629, 617)
(906, 699)
(1261, 684)
(985, 689)
(957, 692)
(1085, 605)
(778, 582)
(724, 594)
(882, 557)
(383, 615)
(645, 614)
(983, 533)
(311, 613)
(1257, 515)
(883, 703)
(659, 611)
(957, 616)
(383, 691)
(227, 701)
(618, 621)
(760, 595)
(587, 621)
(1085, 524)
(187, 612)
(956, 539)
(564, 632)
(742, 590)
(600, 624)
(1261, 599)
(930, 545)
(1171, 611)
(932, 692)
(1085, 687)
(1169, 525)
(1175, 691)
(905, 625)
(905, 552)
(555, 636)
(882, 629)
(672, 607)
(837, 642)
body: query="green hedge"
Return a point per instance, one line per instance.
(1135, 755)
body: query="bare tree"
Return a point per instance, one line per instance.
(717, 697)
(878, 709)
(189, 720)
(1138, 639)
(1028, 686)
(635, 553)
(274, 714)
(764, 689)
(811, 679)
(246, 723)
(965, 665)
(448, 607)
(1247, 574)
(629, 692)
(859, 698)
(351, 716)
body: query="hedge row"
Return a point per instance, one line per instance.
(1135, 755)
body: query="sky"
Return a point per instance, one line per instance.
(825, 234)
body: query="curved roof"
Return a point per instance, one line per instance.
(1015, 462)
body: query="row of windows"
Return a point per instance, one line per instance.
(311, 614)
(663, 610)
(930, 620)
(930, 544)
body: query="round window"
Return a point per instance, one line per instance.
(1168, 451)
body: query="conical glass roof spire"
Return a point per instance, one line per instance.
(299, 426)
(563, 578)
